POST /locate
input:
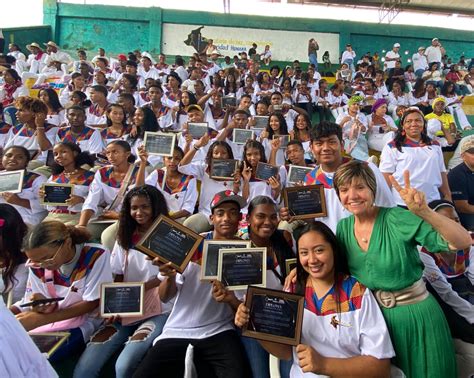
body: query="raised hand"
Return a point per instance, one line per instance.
(414, 199)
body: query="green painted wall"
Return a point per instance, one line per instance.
(123, 29)
(26, 35)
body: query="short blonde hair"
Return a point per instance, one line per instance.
(355, 169)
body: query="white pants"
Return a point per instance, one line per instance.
(338, 111)
(458, 112)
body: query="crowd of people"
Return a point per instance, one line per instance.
(385, 275)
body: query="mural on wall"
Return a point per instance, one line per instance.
(284, 45)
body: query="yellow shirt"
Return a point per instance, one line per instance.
(445, 118)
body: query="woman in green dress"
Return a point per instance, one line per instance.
(380, 244)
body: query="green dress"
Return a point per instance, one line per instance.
(419, 332)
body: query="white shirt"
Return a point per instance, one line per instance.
(184, 197)
(182, 73)
(348, 55)
(91, 272)
(391, 54)
(397, 101)
(425, 165)
(89, 140)
(419, 62)
(360, 332)
(32, 183)
(433, 54)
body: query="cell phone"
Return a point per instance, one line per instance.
(38, 302)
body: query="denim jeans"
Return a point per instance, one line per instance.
(259, 360)
(313, 60)
(97, 353)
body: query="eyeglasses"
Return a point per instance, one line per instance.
(46, 264)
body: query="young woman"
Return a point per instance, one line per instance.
(12, 88)
(69, 159)
(209, 187)
(172, 93)
(354, 126)
(343, 331)
(322, 101)
(381, 126)
(231, 86)
(78, 98)
(63, 265)
(77, 83)
(12, 259)
(248, 88)
(253, 154)
(418, 97)
(287, 91)
(109, 181)
(337, 99)
(264, 87)
(179, 190)
(396, 97)
(262, 232)
(380, 245)
(56, 114)
(143, 120)
(133, 336)
(344, 73)
(117, 127)
(301, 133)
(26, 202)
(20, 356)
(32, 131)
(179, 113)
(454, 105)
(276, 127)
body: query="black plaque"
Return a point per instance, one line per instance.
(241, 136)
(49, 342)
(198, 129)
(241, 267)
(275, 316)
(161, 144)
(122, 298)
(11, 181)
(170, 241)
(305, 202)
(223, 169)
(261, 122)
(229, 101)
(284, 139)
(210, 255)
(265, 171)
(298, 173)
(56, 194)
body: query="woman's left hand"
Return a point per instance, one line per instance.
(414, 199)
(31, 320)
(274, 182)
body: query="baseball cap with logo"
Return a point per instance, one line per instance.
(396, 45)
(227, 196)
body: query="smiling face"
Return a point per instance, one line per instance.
(24, 115)
(381, 110)
(63, 155)
(139, 117)
(253, 156)
(263, 221)
(356, 196)
(316, 255)
(14, 159)
(274, 123)
(141, 210)
(413, 125)
(226, 218)
(327, 150)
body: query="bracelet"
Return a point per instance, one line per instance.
(196, 148)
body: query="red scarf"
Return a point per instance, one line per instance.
(39, 55)
(9, 90)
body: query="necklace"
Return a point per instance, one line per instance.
(72, 173)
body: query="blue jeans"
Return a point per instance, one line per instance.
(313, 59)
(106, 342)
(419, 73)
(259, 359)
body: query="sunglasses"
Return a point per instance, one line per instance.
(45, 264)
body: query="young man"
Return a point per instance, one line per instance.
(162, 112)
(87, 138)
(327, 147)
(203, 313)
(95, 114)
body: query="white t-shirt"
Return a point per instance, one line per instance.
(196, 314)
(425, 165)
(392, 55)
(361, 330)
(433, 54)
(419, 62)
